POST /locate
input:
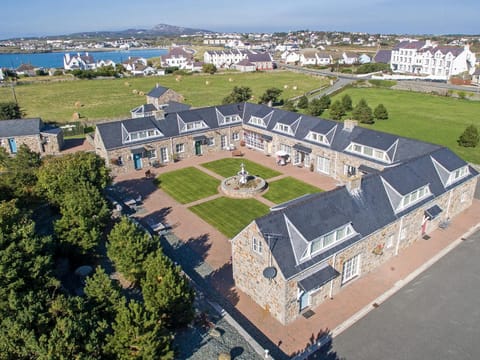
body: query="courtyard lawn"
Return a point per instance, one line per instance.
(287, 189)
(114, 98)
(435, 119)
(187, 185)
(231, 166)
(228, 215)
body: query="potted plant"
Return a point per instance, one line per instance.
(378, 250)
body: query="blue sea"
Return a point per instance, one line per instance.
(55, 59)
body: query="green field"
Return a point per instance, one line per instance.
(288, 189)
(230, 216)
(430, 118)
(229, 167)
(114, 98)
(187, 185)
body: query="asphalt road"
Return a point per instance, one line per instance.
(436, 316)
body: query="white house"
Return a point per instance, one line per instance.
(178, 57)
(135, 64)
(290, 57)
(323, 58)
(104, 63)
(224, 58)
(78, 61)
(349, 58)
(308, 58)
(428, 58)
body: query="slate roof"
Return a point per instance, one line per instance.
(20, 127)
(157, 91)
(367, 210)
(258, 57)
(383, 56)
(409, 45)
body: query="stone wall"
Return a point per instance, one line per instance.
(32, 141)
(248, 268)
(167, 96)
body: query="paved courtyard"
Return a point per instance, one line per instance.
(210, 259)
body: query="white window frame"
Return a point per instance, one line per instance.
(257, 246)
(390, 241)
(317, 137)
(351, 268)
(323, 165)
(284, 128)
(235, 136)
(179, 148)
(255, 120)
(164, 154)
(211, 141)
(151, 154)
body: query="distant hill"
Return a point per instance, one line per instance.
(157, 30)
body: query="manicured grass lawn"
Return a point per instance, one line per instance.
(230, 166)
(288, 189)
(230, 216)
(187, 185)
(436, 119)
(114, 98)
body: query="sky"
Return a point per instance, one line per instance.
(52, 17)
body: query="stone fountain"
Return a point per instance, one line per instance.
(243, 185)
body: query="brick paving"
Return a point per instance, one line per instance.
(214, 248)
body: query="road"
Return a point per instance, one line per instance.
(436, 316)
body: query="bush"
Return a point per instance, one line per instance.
(382, 83)
(372, 67)
(380, 112)
(470, 137)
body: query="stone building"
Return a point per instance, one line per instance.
(392, 191)
(39, 137)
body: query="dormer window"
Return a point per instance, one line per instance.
(255, 120)
(414, 197)
(142, 135)
(329, 239)
(229, 119)
(283, 128)
(369, 151)
(458, 174)
(194, 125)
(316, 137)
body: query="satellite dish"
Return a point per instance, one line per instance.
(270, 272)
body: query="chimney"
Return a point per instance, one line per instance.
(354, 183)
(348, 125)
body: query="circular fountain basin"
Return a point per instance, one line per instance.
(234, 188)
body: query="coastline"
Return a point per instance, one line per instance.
(28, 52)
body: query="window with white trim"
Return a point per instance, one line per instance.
(143, 134)
(369, 151)
(414, 197)
(194, 125)
(330, 238)
(151, 154)
(458, 174)
(323, 165)
(211, 141)
(180, 148)
(286, 148)
(351, 268)
(389, 242)
(257, 246)
(235, 136)
(257, 121)
(316, 137)
(230, 119)
(283, 128)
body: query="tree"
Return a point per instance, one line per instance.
(289, 106)
(325, 102)
(10, 110)
(380, 112)
(61, 175)
(167, 293)
(347, 102)
(337, 110)
(363, 113)
(238, 94)
(103, 294)
(128, 247)
(209, 69)
(20, 175)
(270, 95)
(84, 214)
(137, 334)
(469, 137)
(302, 102)
(315, 108)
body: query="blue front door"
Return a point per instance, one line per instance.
(137, 161)
(304, 300)
(13, 146)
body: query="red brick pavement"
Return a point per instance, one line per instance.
(215, 249)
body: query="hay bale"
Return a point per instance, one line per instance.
(295, 87)
(141, 93)
(230, 79)
(126, 83)
(78, 104)
(178, 78)
(224, 356)
(285, 86)
(135, 91)
(75, 116)
(207, 82)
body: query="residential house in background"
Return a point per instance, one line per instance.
(26, 70)
(349, 58)
(178, 57)
(476, 77)
(79, 61)
(290, 57)
(160, 100)
(383, 56)
(364, 59)
(245, 66)
(39, 137)
(429, 58)
(226, 59)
